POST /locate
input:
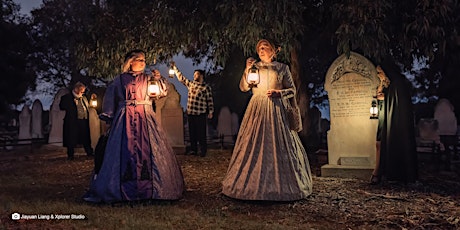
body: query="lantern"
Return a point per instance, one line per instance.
(374, 110)
(253, 76)
(171, 72)
(93, 101)
(154, 88)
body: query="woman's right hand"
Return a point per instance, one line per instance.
(249, 62)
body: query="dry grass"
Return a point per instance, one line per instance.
(44, 182)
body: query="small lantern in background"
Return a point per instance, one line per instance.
(171, 72)
(171, 69)
(253, 77)
(374, 110)
(154, 87)
(93, 101)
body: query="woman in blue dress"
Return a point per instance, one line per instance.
(139, 163)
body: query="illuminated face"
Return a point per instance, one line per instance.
(197, 76)
(265, 52)
(138, 63)
(79, 91)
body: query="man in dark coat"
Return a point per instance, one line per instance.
(76, 120)
(398, 156)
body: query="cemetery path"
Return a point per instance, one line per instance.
(432, 203)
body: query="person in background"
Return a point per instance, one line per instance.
(200, 106)
(396, 153)
(268, 160)
(139, 163)
(76, 121)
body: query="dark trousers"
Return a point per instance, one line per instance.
(197, 132)
(83, 137)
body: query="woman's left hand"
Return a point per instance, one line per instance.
(156, 74)
(273, 93)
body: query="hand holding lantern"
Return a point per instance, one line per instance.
(171, 69)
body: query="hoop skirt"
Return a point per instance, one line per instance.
(139, 163)
(268, 161)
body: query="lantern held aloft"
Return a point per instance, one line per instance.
(171, 72)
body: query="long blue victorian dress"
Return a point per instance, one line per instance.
(268, 161)
(139, 163)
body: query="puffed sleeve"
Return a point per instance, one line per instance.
(110, 103)
(289, 89)
(244, 85)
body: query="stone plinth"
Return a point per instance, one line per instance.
(357, 172)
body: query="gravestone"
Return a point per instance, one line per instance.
(224, 125)
(428, 129)
(444, 114)
(428, 133)
(94, 126)
(351, 83)
(24, 125)
(447, 129)
(37, 126)
(56, 119)
(170, 115)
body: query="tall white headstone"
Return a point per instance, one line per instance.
(24, 124)
(56, 119)
(224, 125)
(444, 114)
(37, 114)
(351, 83)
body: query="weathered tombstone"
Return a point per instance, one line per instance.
(170, 115)
(351, 83)
(224, 125)
(56, 119)
(444, 114)
(37, 126)
(428, 138)
(24, 125)
(428, 129)
(94, 126)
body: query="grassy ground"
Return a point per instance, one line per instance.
(44, 183)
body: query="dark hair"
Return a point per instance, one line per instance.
(201, 72)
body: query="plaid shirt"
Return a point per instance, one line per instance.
(199, 96)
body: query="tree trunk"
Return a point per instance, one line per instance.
(302, 97)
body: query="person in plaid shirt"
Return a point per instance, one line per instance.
(199, 107)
